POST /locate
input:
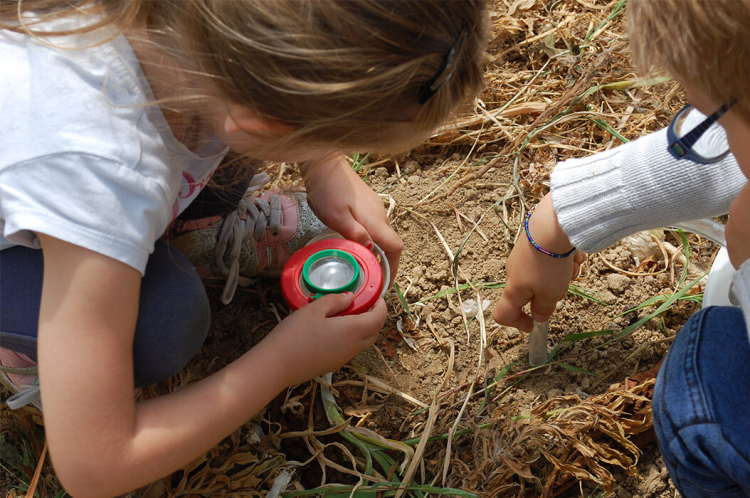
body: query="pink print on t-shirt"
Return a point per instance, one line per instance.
(189, 188)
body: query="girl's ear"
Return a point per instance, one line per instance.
(244, 119)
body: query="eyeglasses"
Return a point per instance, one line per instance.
(697, 144)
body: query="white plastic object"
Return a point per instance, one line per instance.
(719, 281)
(470, 307)
(710, 229)
(719, 284)
(538, 343)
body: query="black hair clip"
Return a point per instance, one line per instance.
(444, 72)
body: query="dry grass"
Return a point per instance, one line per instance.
(560, 84)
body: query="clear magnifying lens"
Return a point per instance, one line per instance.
(330, 273)
(334, 266)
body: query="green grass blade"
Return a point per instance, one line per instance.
(394, 181)
(403, 301)
(454, 266)
(572, 338)
(442, 437)
(586, 335)
(576, 369)
(389, 466)
(452, 290)
(654, 300)
(377, 489)
(671, 299)
(577, 291)
(491, 387)
(357, 162)
(665, 306)
(606, 126)
(617, 85)
(619, 8)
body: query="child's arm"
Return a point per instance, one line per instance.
(347, 205)
(534, 277)
(101, 442)
(637, 186)
(602, 198)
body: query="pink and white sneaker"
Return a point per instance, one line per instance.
(255, 240)
(18, 373)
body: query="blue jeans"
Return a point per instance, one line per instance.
(173, 315)
(702, 406)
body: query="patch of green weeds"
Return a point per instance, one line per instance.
(403, 300)
(358, 161)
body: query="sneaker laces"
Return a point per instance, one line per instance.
(253, 215)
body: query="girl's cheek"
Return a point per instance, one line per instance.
(738, 136)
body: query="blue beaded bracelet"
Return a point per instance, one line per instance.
(537, 246)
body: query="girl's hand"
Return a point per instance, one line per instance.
(347, 205)
(737, 231)
(313, 341)
(534, 277)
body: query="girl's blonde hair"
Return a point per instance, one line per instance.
(346, 74)
(704, 43)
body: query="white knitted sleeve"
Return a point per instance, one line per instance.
(638, 186)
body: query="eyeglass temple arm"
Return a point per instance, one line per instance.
(689, 140)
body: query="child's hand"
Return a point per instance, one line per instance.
(313, 341)
(737, 231)
(534, 277)
(347, 205)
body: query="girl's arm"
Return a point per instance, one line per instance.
(346, 204)
(101, 442)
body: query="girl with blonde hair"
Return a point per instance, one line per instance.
(115, 117)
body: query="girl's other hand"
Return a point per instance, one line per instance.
(348, 205)
(313, 340)
(534, 277)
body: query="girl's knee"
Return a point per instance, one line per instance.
(173, 319)
(165, 346)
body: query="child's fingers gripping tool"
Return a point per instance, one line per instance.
(333, 265)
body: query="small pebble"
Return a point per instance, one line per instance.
(617, 283)
(380, 173)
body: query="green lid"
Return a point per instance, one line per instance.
(331, 271)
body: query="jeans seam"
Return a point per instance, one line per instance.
(695, 389)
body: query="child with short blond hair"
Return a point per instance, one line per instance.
(115, 117)
(696, 168)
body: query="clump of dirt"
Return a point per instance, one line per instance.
(574, 427)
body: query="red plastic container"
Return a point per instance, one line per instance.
(370, 283)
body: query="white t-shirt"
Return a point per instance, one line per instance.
(82, 158)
